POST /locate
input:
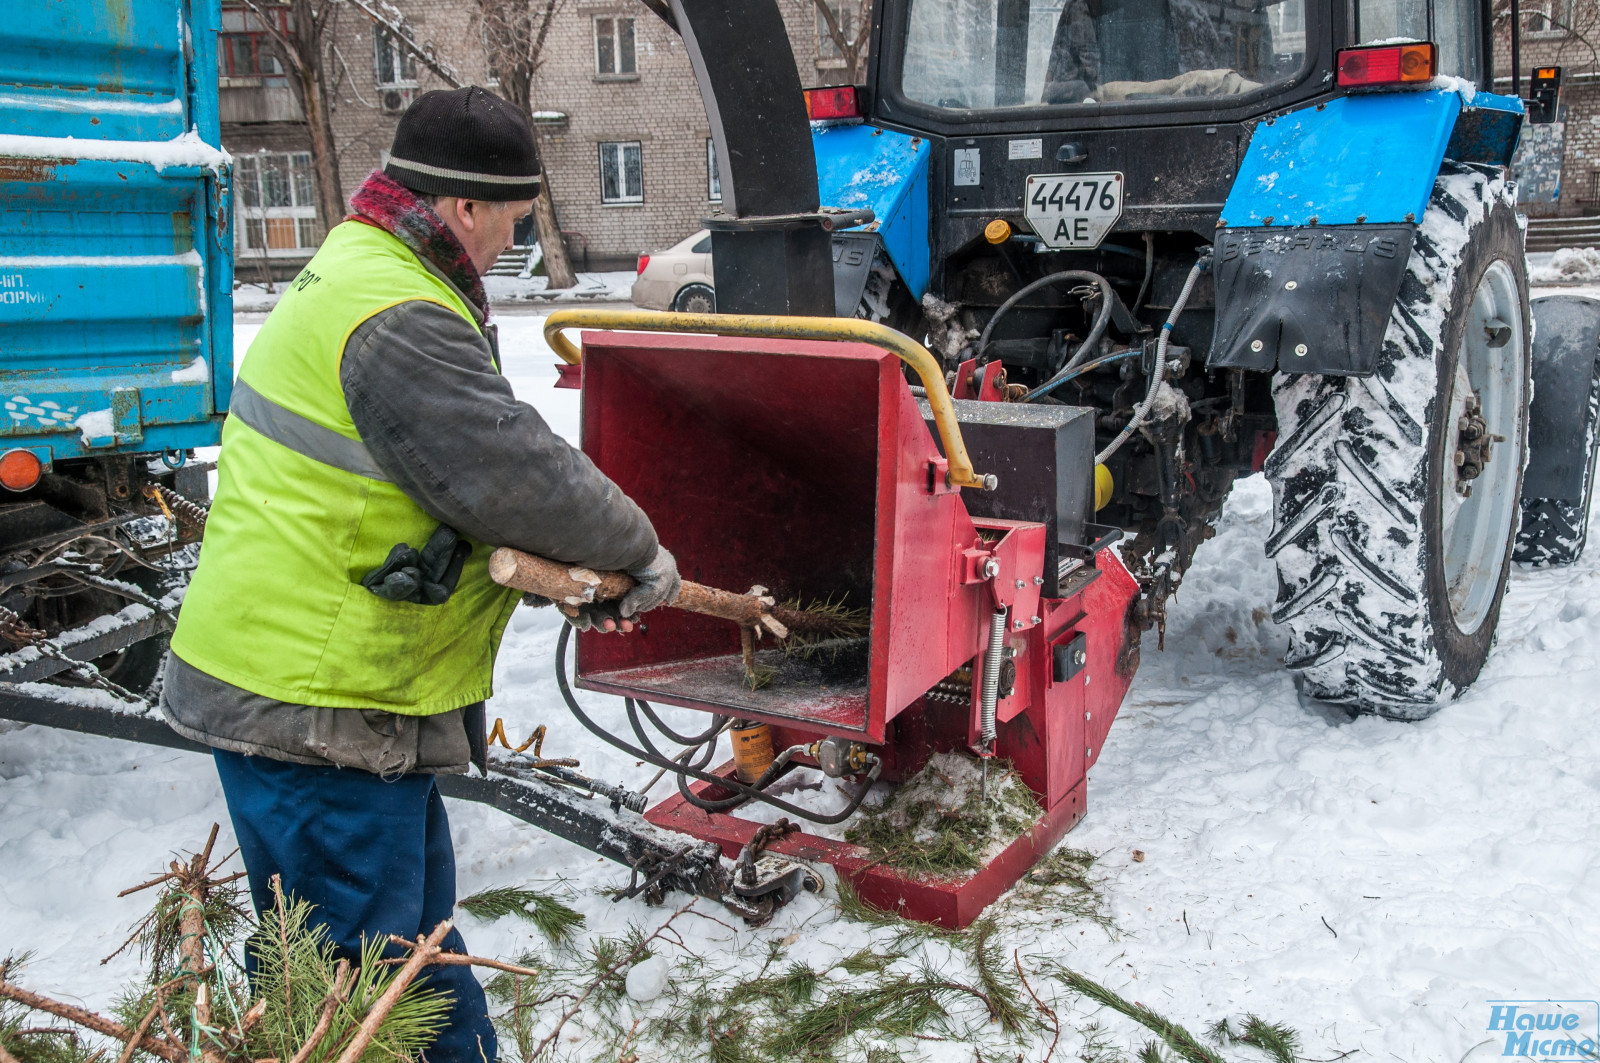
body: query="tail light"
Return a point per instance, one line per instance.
(19, 469)
(833, 103)
(1387, 64)
(644, 260)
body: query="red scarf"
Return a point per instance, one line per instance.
(394, 208)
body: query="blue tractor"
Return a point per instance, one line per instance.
(1269, 236)
(116, 281)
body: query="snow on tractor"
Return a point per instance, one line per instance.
(1250, 242)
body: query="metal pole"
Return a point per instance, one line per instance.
(1516, 48)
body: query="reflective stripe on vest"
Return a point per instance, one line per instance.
(301, 434)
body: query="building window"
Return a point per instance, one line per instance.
(277, 203)
(846, 14)
(246, 50)
(622, 172)
(713, 173)
(394, 71)
(614, 53)
(1547, 18)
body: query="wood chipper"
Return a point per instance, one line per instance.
(790, 459)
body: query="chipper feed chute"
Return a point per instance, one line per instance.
(806, 469)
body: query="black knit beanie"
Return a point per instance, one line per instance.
(465, 142)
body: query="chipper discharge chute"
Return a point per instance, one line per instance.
(807, 472)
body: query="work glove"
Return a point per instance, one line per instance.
(425, 577)
(593, 616)
(581, 617)
(658, 584)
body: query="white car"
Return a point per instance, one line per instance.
(678, 278)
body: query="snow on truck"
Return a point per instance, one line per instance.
(998, 330)
(116, 281)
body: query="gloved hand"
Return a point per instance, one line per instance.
(595, 615)
(658, 584)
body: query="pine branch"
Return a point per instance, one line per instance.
(1044, 1009)
(457, 959)
(337, 996)
(90, 1020)
(425, 950)
(604, 977)
(139, 1031)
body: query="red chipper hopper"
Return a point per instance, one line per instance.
(995, 622)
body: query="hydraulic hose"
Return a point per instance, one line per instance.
(1095, 331)
(1066, 376)
(1159, 373)
(678, 767)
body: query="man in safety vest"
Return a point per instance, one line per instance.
(337, 641)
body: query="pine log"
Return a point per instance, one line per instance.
(575, 585)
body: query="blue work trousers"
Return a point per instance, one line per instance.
(373, 855)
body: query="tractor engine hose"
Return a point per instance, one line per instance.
(1095, 331)
(680, 766)
(1158, 374)
(989, 694)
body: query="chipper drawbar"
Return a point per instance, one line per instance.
(792, 457)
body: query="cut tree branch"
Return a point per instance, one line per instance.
(339, 994)
(90, 1020)
(426, 949)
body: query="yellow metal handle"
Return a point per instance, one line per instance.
(762, 326)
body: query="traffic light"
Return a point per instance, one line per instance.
(1544, 92)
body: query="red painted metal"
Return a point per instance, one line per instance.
(807, 467)
(982, 387)
(950, 902)
(569, 376)
(1260, 448)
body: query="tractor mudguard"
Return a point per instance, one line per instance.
(886, 171)
(853, 252)
(1562, 422)
(1315, 234)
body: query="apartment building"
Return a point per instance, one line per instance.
(1558, 165)
(622, 129)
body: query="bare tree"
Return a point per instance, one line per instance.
(514, 35)
(848, 24)
(301, 39)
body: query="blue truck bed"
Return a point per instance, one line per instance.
(116, 271)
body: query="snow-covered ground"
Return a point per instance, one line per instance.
(253, 298)
(1373, 884)
(1569, 265)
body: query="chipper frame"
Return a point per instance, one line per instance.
(791, 455)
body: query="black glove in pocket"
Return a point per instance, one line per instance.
(425, 578)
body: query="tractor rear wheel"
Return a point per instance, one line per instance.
(1396, 495)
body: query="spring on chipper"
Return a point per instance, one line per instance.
(989, 693)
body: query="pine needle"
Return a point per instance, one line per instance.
(295, 969)
(557, 922)
(1276, 1040)
(996, 979)
(1151, 1053)
(1177, 1038)
(931, 827)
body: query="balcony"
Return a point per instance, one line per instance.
(255, 100)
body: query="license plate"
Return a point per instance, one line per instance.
(1073, 209)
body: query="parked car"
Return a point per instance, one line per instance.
(678, 278)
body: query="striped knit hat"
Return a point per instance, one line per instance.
(465, 142)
